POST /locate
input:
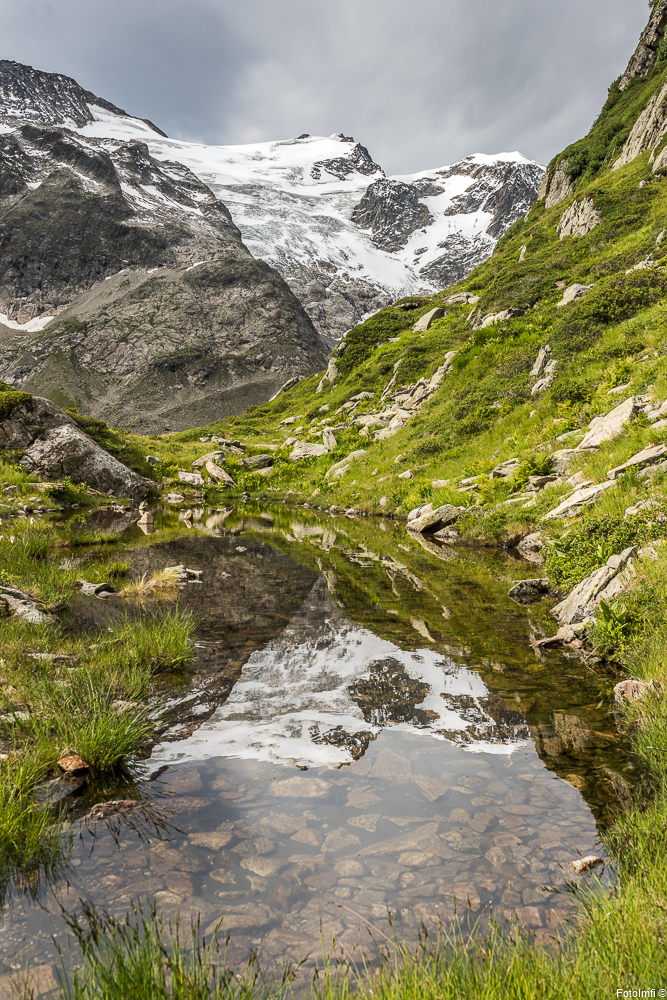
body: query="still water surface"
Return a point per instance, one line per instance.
(368, 731)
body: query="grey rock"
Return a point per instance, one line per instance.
(546, 379)
(220, 476)
(563, 459)
(426, 321)
(191, 478)
(580, 498)
(648, 456)
(211, 456)
(462, 298)
(643, 58)
(505, 470)
(543, 356)
(26, 609)
(256, 461)
(344, 463)
(304, 449)
(579, 219)
(555, 186)
(434, 520)
(604, 583)
(531, 546)
(328, 439)
(54, 447)
(610, 425)
(529, 591)
(572, 293)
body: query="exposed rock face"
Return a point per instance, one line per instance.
(556, 186)
(578, 219)
(51, 98)
(644, 56)
(392, 211)
(188, 327)
(647, 131)
(54, 447)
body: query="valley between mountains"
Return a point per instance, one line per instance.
(333, 530)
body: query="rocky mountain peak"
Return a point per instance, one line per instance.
(50, 98)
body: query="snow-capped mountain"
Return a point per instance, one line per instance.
(348, 239)
(82, 174)
(125, 287)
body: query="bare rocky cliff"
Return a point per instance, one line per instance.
(125, 287)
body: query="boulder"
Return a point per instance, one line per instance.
(579, 219)
(562, 460)
(580, 498)
(331, 472)
(211, 456)
(418, 511)
(529, 591)
(490, 319)
(604, 583)
(15, 602)
(257, 461)
(648, 456)
(505, 470)
(191, 478)
(546, 379)
(531, 546)
(67, 451)
(174, 498)
(304, 449)
(425, 322)
(433, 520)
(572, 293)
(219, 475)
(609, 425)
(543, 356)
(328, 439)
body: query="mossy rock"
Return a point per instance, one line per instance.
(10, 397)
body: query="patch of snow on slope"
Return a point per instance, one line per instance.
(32, 326)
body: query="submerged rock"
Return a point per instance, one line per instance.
(529, 591)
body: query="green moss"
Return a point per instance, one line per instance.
(11, 398)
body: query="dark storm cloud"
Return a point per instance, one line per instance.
(420, 82)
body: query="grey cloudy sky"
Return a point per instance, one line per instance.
(421, 83)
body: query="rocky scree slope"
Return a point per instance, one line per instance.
(348, 239)
(125, 287)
